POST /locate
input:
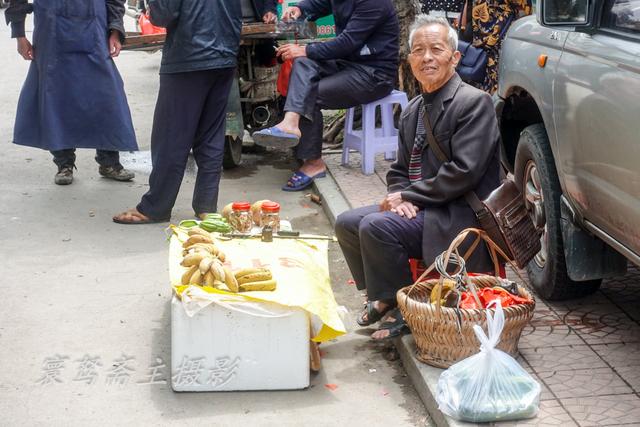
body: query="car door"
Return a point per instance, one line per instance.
(597, 114)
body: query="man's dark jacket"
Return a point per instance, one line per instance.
(466, 127)
(367, 32)
(263, 6)
(201, 35)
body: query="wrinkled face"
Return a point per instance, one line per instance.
(432, 60)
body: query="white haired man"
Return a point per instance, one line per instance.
(425, 206)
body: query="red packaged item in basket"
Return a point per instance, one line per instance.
(486, 295)
(468, 301)
(147, 28)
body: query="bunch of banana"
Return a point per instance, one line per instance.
(200, 241)
(255, 279)
(203, 260)
(209, 271)
(204, 263)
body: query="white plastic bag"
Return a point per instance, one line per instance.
(490, 385)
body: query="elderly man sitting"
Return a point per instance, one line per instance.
(424, 208)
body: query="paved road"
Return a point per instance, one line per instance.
(75, 284)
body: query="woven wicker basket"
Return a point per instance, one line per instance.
(435, 329)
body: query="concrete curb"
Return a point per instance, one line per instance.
(333, 201)
(423, 377)
(425, 381)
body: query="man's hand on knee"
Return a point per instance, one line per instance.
(391, 201)
(406, 209)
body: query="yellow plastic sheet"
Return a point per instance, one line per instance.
(300, 268)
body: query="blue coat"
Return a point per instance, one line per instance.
(73, 96)
(367, 32)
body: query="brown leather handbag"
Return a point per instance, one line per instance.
(503, 214)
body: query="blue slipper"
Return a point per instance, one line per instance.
(300, 180)
(274, 137)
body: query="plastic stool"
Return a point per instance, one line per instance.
(371, 140)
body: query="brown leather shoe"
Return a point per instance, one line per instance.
(64, 175)
(118, 173)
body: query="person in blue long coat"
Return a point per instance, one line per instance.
(73, 96)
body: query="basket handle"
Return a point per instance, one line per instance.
(494, 249)
(481, 235)
(454, 247)
(441, 263)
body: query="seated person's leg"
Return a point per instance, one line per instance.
(345, 88)
(301, 100)
(348, 234)
(309, 152)
(387, 241)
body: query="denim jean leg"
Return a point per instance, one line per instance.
(64, 158)
(303, 85)
(108, 158)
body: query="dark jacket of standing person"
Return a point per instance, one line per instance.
(263, 6)
(465, 125)
(208, 36)
(368, 36)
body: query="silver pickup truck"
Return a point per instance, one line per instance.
(569, 109)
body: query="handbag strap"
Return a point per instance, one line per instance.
(471, 197)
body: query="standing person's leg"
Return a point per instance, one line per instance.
(347, 230)
(175, 123)
(110, 166)
(208, 149)
(66, 161)
(490, 84)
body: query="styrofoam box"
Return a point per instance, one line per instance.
(219, 349)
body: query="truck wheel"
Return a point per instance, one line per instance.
(232, 152)
(536, 175)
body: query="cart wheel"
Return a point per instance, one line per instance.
(232, 152)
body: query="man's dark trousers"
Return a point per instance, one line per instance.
(67, 158)
(377, 247)
(333, 84)
(189, 115)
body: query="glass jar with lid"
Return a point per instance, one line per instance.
(270, 215)
(240, 218)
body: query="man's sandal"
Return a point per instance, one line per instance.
(396, 327)
(133, 217)
(371, 313)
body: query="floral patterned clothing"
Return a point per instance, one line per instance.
(489, 18)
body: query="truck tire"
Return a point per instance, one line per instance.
(536, 176)
(232, 152)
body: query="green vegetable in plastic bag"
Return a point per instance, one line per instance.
(490, 385)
